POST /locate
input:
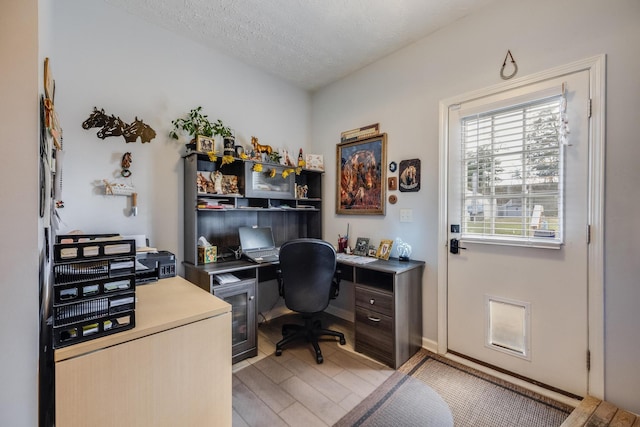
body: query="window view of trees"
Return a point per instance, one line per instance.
(512, 166)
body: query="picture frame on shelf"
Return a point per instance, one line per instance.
(360, 177)
(362, 246)
(315, 162)
(384, 250)
(204, 144)
(372, 251)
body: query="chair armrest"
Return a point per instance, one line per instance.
(335, 284)
(280, 282)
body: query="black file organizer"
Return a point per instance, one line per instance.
(94, 288)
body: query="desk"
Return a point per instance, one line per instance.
(387, 307)
(159, 373)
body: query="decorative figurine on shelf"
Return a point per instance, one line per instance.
(201, 183)
(302, 191)
(216, 177)
(275, 157)
(301, 162)
(260, 148)
(404, 250)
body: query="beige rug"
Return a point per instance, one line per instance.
(473, 398)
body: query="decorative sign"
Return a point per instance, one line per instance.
(315, 162)
(410, 175)
(360, 133)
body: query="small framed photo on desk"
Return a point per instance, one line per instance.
(384, 250)
(362, 246)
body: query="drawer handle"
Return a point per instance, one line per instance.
(372, 301)
(373, 319)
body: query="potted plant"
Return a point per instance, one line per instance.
(196, 123)
(227, 136)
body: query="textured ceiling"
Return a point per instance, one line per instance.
(310, 43)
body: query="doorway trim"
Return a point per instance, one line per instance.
(595, 251)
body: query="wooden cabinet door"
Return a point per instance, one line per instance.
(177, 377)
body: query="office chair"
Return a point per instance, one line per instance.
(308, 279)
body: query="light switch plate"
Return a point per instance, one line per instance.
(406, 215)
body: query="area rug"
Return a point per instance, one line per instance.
(473, 398)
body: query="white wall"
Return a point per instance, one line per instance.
(19, 89)
(402, 93)
(109, 59)
(96, 61)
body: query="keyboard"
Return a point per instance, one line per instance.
(264, 253)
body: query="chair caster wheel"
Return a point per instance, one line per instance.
(278, 352)
(343, 341)
(319, 359)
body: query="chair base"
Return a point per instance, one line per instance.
(311, 331)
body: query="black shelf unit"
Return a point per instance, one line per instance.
(289, 217)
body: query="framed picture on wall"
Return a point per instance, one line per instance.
(410, 175)
(361, 176)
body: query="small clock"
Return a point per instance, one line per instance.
(393, 166)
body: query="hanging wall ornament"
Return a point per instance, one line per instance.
(126, 164)
(504, 64)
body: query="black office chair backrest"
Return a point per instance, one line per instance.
(307, 270)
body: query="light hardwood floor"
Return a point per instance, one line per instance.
(292, 390)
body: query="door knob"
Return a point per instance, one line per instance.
(454, 246)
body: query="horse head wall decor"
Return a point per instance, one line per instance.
(114, 126)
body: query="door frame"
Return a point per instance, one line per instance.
(595, 217)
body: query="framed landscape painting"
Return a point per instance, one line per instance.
(361, 176)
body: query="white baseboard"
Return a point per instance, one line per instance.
(430, 345)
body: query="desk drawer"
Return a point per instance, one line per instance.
(374, 334)
(370, 299)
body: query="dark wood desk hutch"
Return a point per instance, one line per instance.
(248, 198)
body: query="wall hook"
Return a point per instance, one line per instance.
(515, 66)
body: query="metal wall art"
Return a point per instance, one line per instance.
(114, 126)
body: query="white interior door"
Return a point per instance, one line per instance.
(519, 302)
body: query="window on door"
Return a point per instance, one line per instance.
(512, 173)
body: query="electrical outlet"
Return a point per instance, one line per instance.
(406, 215)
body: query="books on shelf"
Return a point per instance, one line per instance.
(213, 204)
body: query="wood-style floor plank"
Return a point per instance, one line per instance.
(581, 414)
(623, 419)
(593, 412)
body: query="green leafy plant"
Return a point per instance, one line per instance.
(196, 123)
(220, 129)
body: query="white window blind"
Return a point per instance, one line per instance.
(512, 166)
